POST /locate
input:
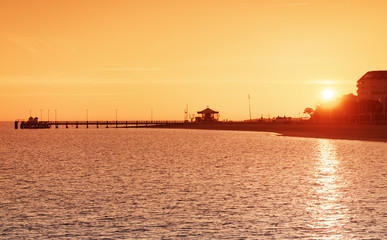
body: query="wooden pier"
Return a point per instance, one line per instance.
(97, 124)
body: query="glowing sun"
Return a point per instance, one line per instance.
(328, 94)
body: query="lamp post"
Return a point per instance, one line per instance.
(249, 106)
(56, 125)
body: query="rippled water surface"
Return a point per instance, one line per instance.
(193, 184)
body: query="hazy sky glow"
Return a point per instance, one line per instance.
(135, 56)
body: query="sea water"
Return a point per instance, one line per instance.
(191, 184)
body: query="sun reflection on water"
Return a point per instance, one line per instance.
(327, 209)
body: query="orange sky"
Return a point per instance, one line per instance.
(135, 56)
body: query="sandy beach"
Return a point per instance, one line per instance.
(349, 131)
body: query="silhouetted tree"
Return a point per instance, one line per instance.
(347, 108)
(309, 111)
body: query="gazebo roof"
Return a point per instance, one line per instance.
(207, 111)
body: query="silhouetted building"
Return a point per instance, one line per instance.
(373, 86)
(208, 115)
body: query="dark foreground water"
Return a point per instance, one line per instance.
(192, 184)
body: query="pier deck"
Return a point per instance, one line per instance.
(107, 124)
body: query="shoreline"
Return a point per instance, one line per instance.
(344, 131)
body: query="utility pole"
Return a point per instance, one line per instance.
(48, 115)
(151, 114)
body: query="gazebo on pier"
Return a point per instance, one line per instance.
(207, 115)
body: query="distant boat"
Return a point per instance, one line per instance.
(34, 123)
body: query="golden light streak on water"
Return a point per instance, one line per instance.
(328, 211)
